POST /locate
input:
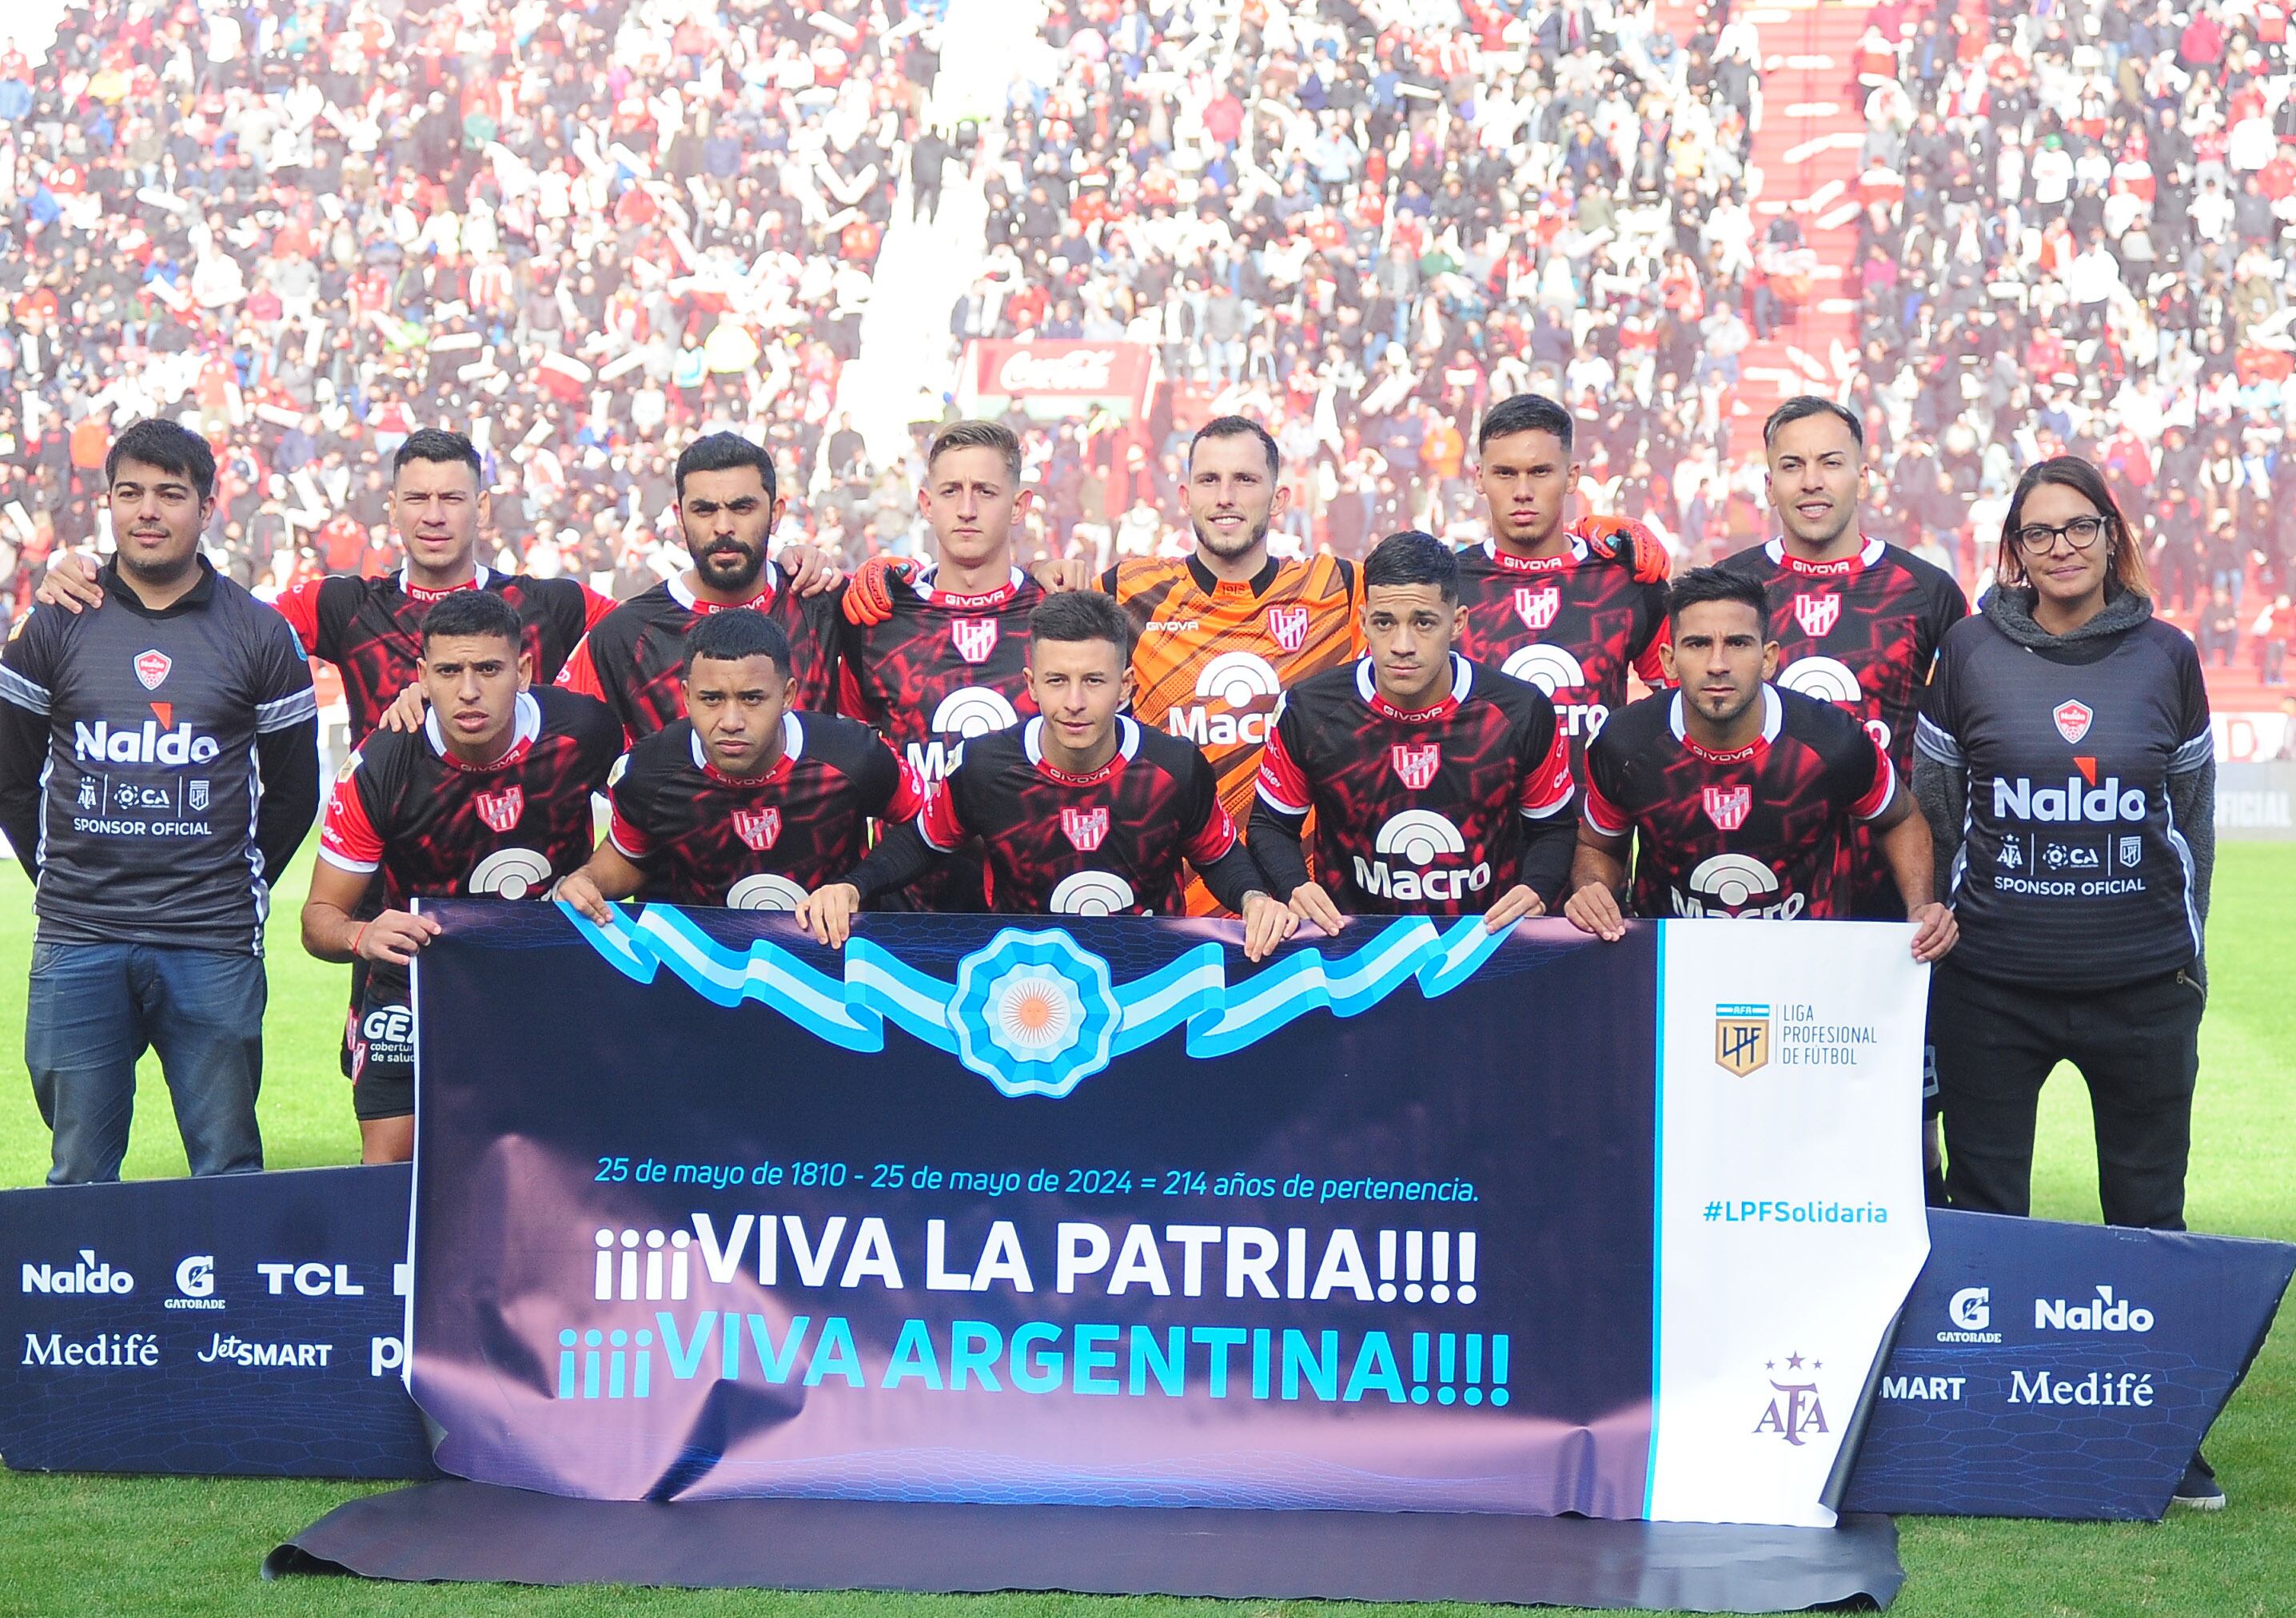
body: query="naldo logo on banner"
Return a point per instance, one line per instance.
(90, 1275)
(2102, 1313)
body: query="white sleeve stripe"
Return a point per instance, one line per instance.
(1543, 811)
(626, 853)
(927, 836)
(2193, 754)
(1937, 742)
(1889, 779)
(342, 862)
(1594, 817)
(1277, 803)
(292, 709)
(24, 693)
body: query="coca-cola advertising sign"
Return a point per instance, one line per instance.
(1065, 370)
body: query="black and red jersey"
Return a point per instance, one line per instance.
(371, 630)
(438, 828)
(1417, 812)
(759, 842)
(1107, 843)
(1573, 625)
(1761, 830)
(633, 658)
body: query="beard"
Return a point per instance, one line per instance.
(730, 567)
(1227, 549)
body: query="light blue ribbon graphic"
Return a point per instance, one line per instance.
(1034, 1012)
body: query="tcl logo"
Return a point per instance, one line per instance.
(312, 1280)
(2075, 800)
(147, 743)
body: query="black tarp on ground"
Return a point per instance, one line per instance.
(463, 1531)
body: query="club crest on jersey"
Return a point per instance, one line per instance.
(1727, 807)
(975, 638)
(1537, 605)
(759, 828)
(1288, 626)
(1417, 764)
(1817, 614)
(2074, 720)
(152, 668)
(500, 811)
(1084, 828)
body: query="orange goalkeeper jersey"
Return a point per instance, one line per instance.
(1213, 656)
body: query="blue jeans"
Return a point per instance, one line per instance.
(93, 1012)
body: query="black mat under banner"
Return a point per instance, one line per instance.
(458, 1531)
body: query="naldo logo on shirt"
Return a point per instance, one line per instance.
(158, 740)
(2075, 801)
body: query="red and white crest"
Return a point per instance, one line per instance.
(152, 668)
(500, 811)
(2074, 720)
(1817, 614)
(975, 638)
(1085, 828)
(1537, 605)
(1728, 806)
(1288, 626)
(759, 828)
(1417, 764)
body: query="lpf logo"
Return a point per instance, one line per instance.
(758, 828)
(1795, 1411)
(1417, 765)
(1817, 614)
(1742, 1038)
(1288, 626)
(1084, 828)
(500, 811)
(1727, 807)
(975, 638)
(1537, 605)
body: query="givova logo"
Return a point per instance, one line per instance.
(1235, 699)
(90, 1275)
(1418, 839)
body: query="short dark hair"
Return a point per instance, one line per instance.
(1801, 407)
(1236, 427)
(472, 612)
(1525, 413)
(1079, 615)
(157, 442)
(1412, 557)
(1717, 584)
(735, 634)
(977, 435)
(438, 444)
(722, 452)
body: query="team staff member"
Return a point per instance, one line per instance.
(1082, 810)
(2069, 777)
(1737, 795)
(158, 767)
(490, 797)
(1439, 786)
(745, 803)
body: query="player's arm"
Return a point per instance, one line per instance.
(608, 874)
(594, 606)
(1279, 817)
(811, 571)
(1230, 874)
(286, 753)
(23, 742)
(1057, 574)
(351, 851)
(70, 583)
(1903, 838)
(1550, 837)
(1598, 860)
(904, 853)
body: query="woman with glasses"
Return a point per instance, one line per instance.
(2064, 760)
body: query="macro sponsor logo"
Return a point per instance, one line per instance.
(1236, 695)
(195, 1284)
(1093, 894)
(764, 890)
(1971, 1312)
(2102, 1313)
(1736, 884)
(311, 1280)
(2078, 801)
(228, 1349)
(158, 740)
(91, 1275)
(105, 1351)
(509, 874)
(964, 713)
(1555, 670)
(1418, 839)
(2099, 1389)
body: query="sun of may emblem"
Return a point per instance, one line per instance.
(1035, 1013)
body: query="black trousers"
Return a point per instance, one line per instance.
(2137, 1046)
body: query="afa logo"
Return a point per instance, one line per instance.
(1742, 1038)
(974, 638)
(1794, 1411)
(1289, 627)
(1816, 613)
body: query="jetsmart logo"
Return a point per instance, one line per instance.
(2102, 1313)
(2076, 800)
(158, 739)
(90, 1275)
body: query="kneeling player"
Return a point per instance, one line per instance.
(1439, 786)
(744, 802)
(490, 796)
(1081, 812)
(1741, 797)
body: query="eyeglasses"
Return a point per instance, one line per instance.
(2039, 539)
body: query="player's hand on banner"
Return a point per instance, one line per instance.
(582, 892)
(810, 570)
(1595, 909)
(406, 712)
(1311, 903)
(1627, 543)
(393, 938)
(869, 598)
(827, 913)
(1935, 932)
(1513, 906)
(1265, 924)
(1056, 574)
(71, 584)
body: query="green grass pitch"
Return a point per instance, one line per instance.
(90, 1545)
